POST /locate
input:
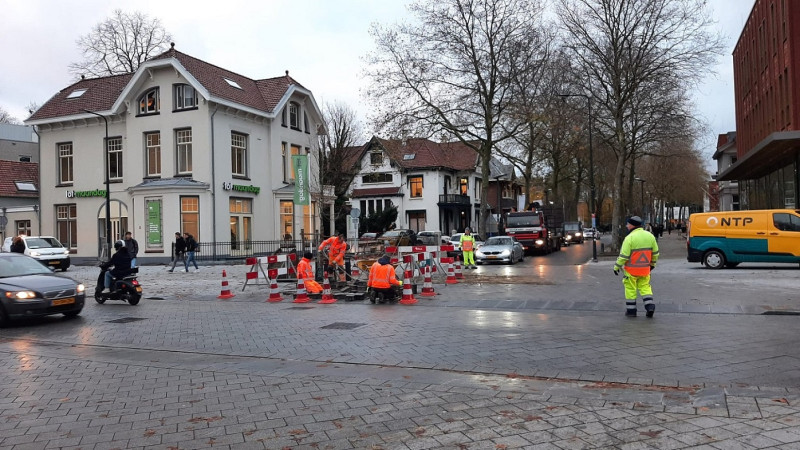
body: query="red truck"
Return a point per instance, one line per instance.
(538, 230)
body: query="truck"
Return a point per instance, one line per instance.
(538, 230)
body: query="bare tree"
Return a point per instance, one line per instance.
(337, 148)
(452, 72)
(6, 117)
(635, 58)
(120, 44)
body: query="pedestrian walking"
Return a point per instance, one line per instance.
(179, 251)
(132, 246)
(468, 249)
(191, 248)
(18, 245)
(637, 258)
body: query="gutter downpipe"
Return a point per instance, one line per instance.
(39, 166)
(213, 189)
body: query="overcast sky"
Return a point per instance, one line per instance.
(320, 42)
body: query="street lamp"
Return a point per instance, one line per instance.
(641, 181)
(108, 189)
(591, 170)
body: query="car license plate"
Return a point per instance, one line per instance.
(64, 301)
(55, 262)
(138, 289)
(491, 257)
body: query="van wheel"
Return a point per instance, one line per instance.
(714, 259)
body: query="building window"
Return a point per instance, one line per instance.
(295, 150)
(115, 159)
(149, 103)
(309, 219)
(415, 186)
(65, 163)
(294, 115)
(241, 213)
(376, 158)
(305, 123)
(190, 215)
(463, 186)
(379, 177)
(287, 222)
(508, 192)
(67, 225)
(416, 220)
(239, 154)
(284, 162)
(153, 153)
(185, 97)
(23, 227)
(183, 142)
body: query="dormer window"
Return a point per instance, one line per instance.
(376, 158)
(185, 97)
(294, 115)
(149, 102)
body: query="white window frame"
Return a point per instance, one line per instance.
(185, 97)
(183, 151)
(65, 163)
(147, 107)
(294, 115)
(114, 146)
(238, 154)
(152, 154)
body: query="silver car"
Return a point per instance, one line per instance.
(499, 249)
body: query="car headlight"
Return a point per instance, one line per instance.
(34, 253)
(539, 242)
(505, 252)
(80, 288)
(577, 235)
(478, 253)
(21, 295)
(66, 252)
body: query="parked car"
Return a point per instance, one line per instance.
(369, 236)
(399, 237)
(29, 289)
(430, 238)
(455, 240)
(590, 233)
(500, 249)
(45, 249)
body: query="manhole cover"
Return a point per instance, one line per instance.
(301, 307)
(342, 326)
(126, 320)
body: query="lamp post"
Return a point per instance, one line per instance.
(641, 181)
(591, 170)
(108, 189)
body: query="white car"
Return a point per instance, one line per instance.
(455, 240)
(45, 249)
(590, 233)
(504, 249)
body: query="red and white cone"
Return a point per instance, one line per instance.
(354, 272)
(427, 286)
(327, 297)
(408, 296)
(274, 293)
(459, 273)
(451, 275)
(225, 292)
(301, 296)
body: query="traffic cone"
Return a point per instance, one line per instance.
(226, 292)
(274, 293)
(408, 296)
(427, 286)
(354, 272)
(301, 296)
(459, 273)
(451, 275)
(327, 297)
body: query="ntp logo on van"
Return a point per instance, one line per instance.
(729, 221)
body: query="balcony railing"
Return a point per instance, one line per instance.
(453, 199)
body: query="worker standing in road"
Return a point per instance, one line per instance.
(382, 280)
(336, 250)
(638, 257)
(306, 273)
(468, 248)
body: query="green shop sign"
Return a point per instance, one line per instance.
(94, 193)
(228, 186)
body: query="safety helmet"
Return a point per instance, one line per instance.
(119, 244)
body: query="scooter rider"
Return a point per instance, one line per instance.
(121, 262)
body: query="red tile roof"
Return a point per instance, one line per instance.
(428, 154)
(101, 93)
(11, 171)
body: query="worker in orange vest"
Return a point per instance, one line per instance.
(382, 281)
(336, 249)
(306, 273)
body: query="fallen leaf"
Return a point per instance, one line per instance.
(148, 433)
(780, 400)
(651, 433)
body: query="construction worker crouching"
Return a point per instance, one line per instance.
(306, 273)
(382, 281)
(336, 250)
(638, 256)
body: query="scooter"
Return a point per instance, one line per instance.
(126, 289)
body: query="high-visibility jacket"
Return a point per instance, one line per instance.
(639, 251)
(337, 249)
(467, 242)
(381, 276)
(304, 270)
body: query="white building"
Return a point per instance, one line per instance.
(435, 186)
(725, 157)
(191, 147)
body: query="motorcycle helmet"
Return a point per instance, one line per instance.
(119, 244)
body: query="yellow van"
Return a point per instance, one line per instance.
(725, 239)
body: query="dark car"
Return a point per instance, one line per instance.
(29, 289)
(399, 237)
(369, 236)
